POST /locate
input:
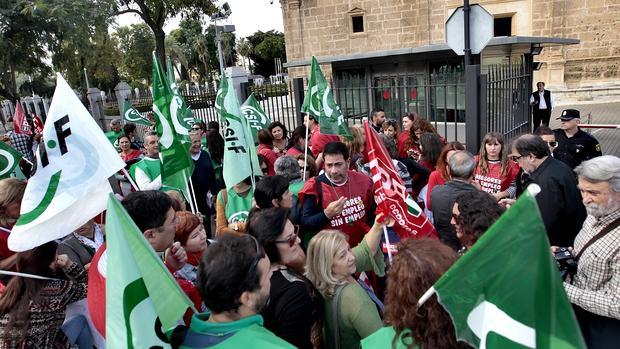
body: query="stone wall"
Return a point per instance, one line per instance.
(323, 28)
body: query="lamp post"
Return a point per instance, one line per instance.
(223, 13)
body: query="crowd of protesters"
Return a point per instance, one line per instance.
(293, 258)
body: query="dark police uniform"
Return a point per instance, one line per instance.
(580, 147)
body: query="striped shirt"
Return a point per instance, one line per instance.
(596, 286)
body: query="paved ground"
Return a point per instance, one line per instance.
(601, 113)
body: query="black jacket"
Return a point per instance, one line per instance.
(443, 197)
(580, 147)
(559, 201)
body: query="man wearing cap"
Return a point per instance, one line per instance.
(541, 101)
(574, 145)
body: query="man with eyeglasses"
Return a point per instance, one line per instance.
(574, 145)
(234, 282)
(559, 201)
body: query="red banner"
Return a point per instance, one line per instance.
(38, 124)
(20, 125)
(391, 194)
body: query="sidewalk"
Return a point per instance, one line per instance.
(602, 113)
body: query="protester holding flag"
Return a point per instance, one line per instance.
(495, 173)
(416, 267)
(265, 148)
(297, 142)
(280, 137)
(338, 198)
(234, 282)
(152, 213)
(11, 195)
(232, 208)
(32, 308)
(115, 130)
(351, 309)
(147, 172)
(294, 303)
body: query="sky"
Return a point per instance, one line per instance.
(247, 16)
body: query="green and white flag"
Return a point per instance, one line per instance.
(255, 116)
(9, 159)
(506, 292)
(71, 183)
(177, 166)
(141, 294)
(319, 102)
(130, 114)
(180, 113)
(240, 159)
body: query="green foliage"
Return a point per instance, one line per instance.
(136, 43)
(265, 47)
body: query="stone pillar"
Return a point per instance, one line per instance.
(123, 92)
(238, 76)
(96, 107)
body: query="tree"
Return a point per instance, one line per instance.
(229, 51)
(154, 13)
(136, 43)
(244, 48)
(266, 46)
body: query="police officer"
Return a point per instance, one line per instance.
(574, 145)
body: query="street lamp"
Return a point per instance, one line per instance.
(223, 13)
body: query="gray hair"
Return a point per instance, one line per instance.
(604, 168)
(461, 164)
(115, 122)
(288, 167)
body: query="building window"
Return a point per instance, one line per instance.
(357, 23)
(503, 26)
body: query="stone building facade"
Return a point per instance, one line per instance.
(587, 70)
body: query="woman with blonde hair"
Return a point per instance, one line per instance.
(355, 144)
(495, 173)
(11, 195)
(352, 311)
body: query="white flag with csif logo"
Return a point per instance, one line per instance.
(71, 183)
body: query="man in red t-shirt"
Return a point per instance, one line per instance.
(338, 198)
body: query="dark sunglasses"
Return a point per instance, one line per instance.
(265, 170)
(196, 128)
(292, 239)
(552, 143)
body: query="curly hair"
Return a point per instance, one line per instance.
(417, 266)
(442, 162)
(418, 124)
(477, 212)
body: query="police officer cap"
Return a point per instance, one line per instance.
(569, 114)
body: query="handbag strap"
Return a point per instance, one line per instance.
(335, 308)
(609, 227)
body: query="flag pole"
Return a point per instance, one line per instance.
(31, 276)
(133, 184)
(387, 242)
(191, 203)
(193, 192)
(306, 147)
(431, 291)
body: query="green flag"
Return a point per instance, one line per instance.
(9, 159)
(255, 116)
(506, 292)
(140, 291)
(319, 102)
(130, 114)
(181, 114)
(240, 159)
(177, 166)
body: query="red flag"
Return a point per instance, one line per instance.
(38, 124)
(20, 125)
(391, 194)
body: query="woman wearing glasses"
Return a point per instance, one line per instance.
(352, 311)
(495, 173)
(294, 304)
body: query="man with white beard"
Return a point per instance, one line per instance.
(595, 288)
